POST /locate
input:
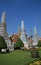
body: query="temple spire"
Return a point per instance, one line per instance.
(3, 20)
(23, 36)
(35, 39)
(22, 24)
(35, 31)
(19, 31)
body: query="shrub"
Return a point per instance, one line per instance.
(3, 44)
(18, 44)
(39, 43)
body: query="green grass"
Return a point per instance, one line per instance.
(18, 57)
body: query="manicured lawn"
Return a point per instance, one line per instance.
(18, 57)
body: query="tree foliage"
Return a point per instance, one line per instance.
(2, 43)
(39, 43)
(19, 43)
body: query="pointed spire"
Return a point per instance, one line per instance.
(3, 20)
(22, 25)
(19, 31)
(35, 31)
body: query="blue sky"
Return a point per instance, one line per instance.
(16, 10)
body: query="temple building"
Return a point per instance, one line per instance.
(23, 36)
(14, 38)
(28, 42)
(3, 31)
(39, 39)
(35, 38)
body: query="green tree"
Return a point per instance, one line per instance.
(18, 44)
(39, 43)
(2, 43)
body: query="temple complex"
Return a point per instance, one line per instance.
(3, 31)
